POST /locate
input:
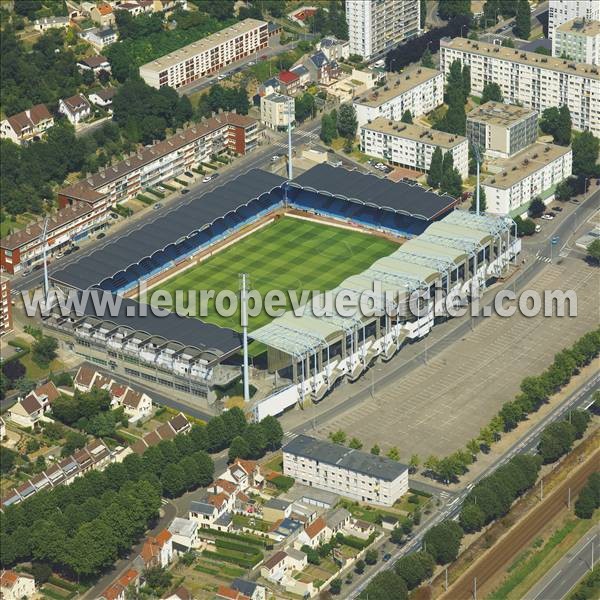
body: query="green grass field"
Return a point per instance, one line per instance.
(290, 254)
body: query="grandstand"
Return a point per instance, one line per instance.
(180, 238)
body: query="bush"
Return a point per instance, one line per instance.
(443, 541)
(169, 187)
(145, 199)
(282, 482)
(242, 538)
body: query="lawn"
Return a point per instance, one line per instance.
(290, 254)
(367, 513)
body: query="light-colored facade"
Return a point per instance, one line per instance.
(578, 40)
(412, 145)
(27, 125)
(417, 89)
(376, 26)
(5, 307)
(530, 79)
(501, 130)
(561, 11)
(277, 111)
(351, 473)
(16, 586)
(533, 172)
(208, 55)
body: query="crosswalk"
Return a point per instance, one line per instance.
(288, 436)
(542, 258)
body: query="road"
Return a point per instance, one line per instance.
(569, 570)
(520, 535)
(578, 399)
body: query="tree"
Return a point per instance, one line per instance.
(473, 447)
(562, 135)
(556, 439)
(346, 121)
(585, 504)
(8, 459)
(359, 567)
(338, 437)
(336, 586)
(406, 117)
(537, 207)
(73, 441)
(443, 541)
(563, 191)
(371, 556)
(397, 535)
(585, 148)
(508, 43)
(414, 463)
(422, 14)
(580, 420)
(43, 350)
(272, 431)
(311, 555)
(524, 226)
(415, 568)
(426, 59)
(41, 572)
(522, 26)
(453, 8)
(434, 177)
(239, 448)
(355, 443)
(466, 81)
(375, 450)
(593, 252)
(304, 106)
(158, 580)
(491, 91)
(173, 479)
(393, 453)
(256, 440)
(385, 586)
(482, 201)
(451, 182)
(471, 518)
(88, 77)
(328, 127)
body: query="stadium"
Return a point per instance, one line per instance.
(328, 229)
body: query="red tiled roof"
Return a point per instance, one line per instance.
(29, 118)
(315, 527)
(287, 77)
(113, 591)
(275, 559)
(247, 465)
(95, 61)
(49, 390)
(77, 103)
(227, 592)
(218, 499)
(165, 431)
(30, 404)
(105, 9)
(8, 578)
(132, 398)
(227, 486)
(128, 577)
(163, 537)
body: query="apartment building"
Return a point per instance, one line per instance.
(561, 11)
(411, 145)
(535, 171)
(276, 111)
(5, 306)
(530, 79)
(164, 160)
(578, 40)
(350, 473)
(376, 26)
(208, 55)
(27, 125)
(22, 249)
(417, 89)
(501, 130)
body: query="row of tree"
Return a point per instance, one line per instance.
(589, 497)
(342, 123)
(557, 439)
(443, 174)
(256, 439)
(458, 90)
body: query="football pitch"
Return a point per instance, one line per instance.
(289, 254)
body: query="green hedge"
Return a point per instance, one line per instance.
(208, 570)
(182, 182)
(209, 166)
(145, 199)
(234, 559)
(156, 193)
(199, 171)
(357, 543)
(230, 545)
(169, 187)
(242, 538)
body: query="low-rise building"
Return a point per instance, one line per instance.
(282, 564)
(6, 323)
(94, 63)
(338, 519)
(302, 73)
(276, 111)
(242, 589)
(289, 82)
(157, 551)
(314, 534)
(181, 593)
(28, 125)
(276, 509)
(578, 40)
(501, 130)
(76, 108)
(28, 411)
(417, 89)
(411, 145)
(16, 586)
(103, 97)
(533, 172)
(119, 590)
(333, 48)
(99, 37)
(46, 23)
(103, 15)
(184, 534)
(321, 69)
(351, 473)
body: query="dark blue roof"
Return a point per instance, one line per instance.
(319, 59)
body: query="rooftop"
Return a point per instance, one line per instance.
(522, 57)
(202, 45)
(396, 84)
(417, 133)
(348, 458)
(278, 98)
(524, 163)
(581, 27)
(498, 113)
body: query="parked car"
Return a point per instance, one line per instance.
(185, 191)
(25, 272)
(189, 174)
(251, 63)
(387, 556)
(547, 217)
(74, 248)
(538, 228)
(215, 175)
(557, 209)
(114, 216)
(157, 206)
(221, 77)
(275, 157)
(100, 236)
(206, 179)
(39, 266)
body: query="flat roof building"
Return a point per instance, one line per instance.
(501, 130)
(530, 79)
(412, 145)
(351, 473)
(578, 40)
(535, 171)
(277, 110)
(417, 89)
(561, 11)
(207, 55)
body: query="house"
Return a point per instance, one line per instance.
(388, 523)
(275, 509)
(103, 15)
(333, 48)
(302, 73)
(203, 512)
(47, 23)
(137, 405)
(296, 560)
(314, 534)
(361, 529)
(268, 87)
(167, 6)
(321, 69)
(15, 586)
(27, 125)
(338, 520)
(244, 473)
(102, 98)
(119, 589)
(185, 534)
(180, 593)
(2, 429)
(133, 8)
(157, 551)
(76, 108)
(28, 411)
(250, 589)
(88, 378)
(289, 83)
(94, 63)
(274, 568)
(100, 38)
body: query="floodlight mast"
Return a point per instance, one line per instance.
(44, 257)
(244, 320)
(478, 161)
(289, 112)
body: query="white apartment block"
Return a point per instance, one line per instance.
(350, 473)
(561, 11)
(501, 130)
(277, 111)
(533, 172)
(411, 145)
(530, 79)
(417, 89)
(206, 56)
(377, 26)
(578, 40)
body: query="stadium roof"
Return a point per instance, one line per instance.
(410, 200)
(172, 226)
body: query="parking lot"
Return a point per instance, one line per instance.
(440, 405)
